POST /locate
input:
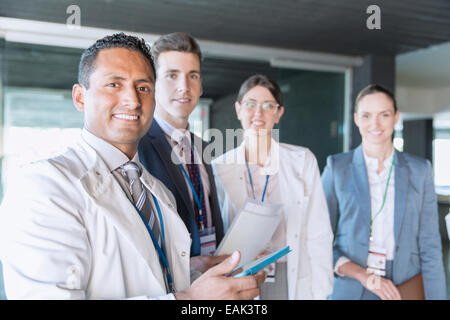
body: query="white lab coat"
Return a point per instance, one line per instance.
(68, 231)
(308, 230)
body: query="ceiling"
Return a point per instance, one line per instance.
(425, 68)
(317, 25)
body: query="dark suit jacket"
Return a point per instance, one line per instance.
(155, 155)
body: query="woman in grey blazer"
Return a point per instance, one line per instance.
(383, 210)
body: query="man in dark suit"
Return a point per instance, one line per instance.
(177, 58)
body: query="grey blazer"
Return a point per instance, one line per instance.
(416, 229)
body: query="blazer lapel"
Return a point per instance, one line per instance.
(361, 181)
(401, 192)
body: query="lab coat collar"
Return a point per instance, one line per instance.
(112, 156)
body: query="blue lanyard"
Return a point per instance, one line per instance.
(161, 251)
(197, 199)
(251, 184)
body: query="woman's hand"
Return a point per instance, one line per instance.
(383, 288)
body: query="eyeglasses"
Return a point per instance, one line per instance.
(251, 105)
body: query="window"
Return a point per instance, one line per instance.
(38, 123)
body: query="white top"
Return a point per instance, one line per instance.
(383, 225)
(183, 138)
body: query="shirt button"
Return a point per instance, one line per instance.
(183, 253)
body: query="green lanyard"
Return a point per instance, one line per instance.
(384, 198)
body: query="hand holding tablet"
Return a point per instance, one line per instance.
(259, 264)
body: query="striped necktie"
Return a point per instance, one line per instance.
(140, 199)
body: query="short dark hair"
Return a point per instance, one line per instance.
(264, 81)
(177, 41)
(118, 40)
(375, 88)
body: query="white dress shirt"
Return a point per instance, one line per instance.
(183, 138)
(383, 225)
(113, 157)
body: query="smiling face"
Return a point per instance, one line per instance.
(118, 106)
(178, 85)
(376, 118)
(255, 120)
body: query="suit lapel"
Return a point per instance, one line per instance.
(161, 144)
(401, 192)
(361, 181)
(200, 147)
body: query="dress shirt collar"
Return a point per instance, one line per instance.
(173, 133)
(112, 156)
(372, 163)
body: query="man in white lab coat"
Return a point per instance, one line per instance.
(68, 226)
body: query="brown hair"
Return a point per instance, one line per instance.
(177, 41)
(375, 88)
(264, 81)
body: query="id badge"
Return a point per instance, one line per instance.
(208, 241)
(376, 260)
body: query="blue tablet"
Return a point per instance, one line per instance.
(254, 266)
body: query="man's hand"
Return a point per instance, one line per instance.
(213, 285)
(270, 266)
(203, 263)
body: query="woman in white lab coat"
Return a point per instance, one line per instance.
(272, 172)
